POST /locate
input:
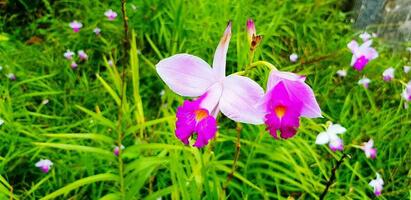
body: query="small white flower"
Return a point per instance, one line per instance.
(342, 73)
(68, 54)
(388, 74)
(407, 69)
(44, 165)
(97, 31)
(82, 55)
(1, 121)
(45, 101)
(293, 57)
(377, 184)
(365, 36)
(330, 136)
(364, 82)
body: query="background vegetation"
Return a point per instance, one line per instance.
(81, 124)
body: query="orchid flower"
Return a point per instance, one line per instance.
(361, 54)
(287, 99)
(293, 57)
(44, 165)
(406, 93)
(364, 82)
(407, 69)
(377, 184)
(388, 74)
(82, 55)
(190, 76)
(110, 14)
(365, 36)
(110, 63)
(11, 76)
(342, 73)
(68, 54)
(330, 136)
(368, 149)
(73, 65)
(75, 25)
(97, 30)
(117, 150)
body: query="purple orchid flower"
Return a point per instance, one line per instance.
(68, 54)
(388, 74)
(330, 136)
(287, 99)
(82, 55)
(190, 76)
(293, 57)
(44, 165)
(75, 25)
(368, 149)
(97, 30)
(110, 14)
(117, 150)
(377, 185)
(361, 54)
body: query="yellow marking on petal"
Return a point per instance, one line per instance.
(280, 111)
(200, 114)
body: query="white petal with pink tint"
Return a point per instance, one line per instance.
(186, 75)
(240, 98)
(220, 56)
(213, 94)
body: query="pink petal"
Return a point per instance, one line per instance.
(298, 89)
(220, 55)
(185, 74)
(206, 130)
(240, 98)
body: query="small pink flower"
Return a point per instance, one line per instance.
(361, 54)
(368, 149)
(293, 57)
(342, 73)
(68, 54)
(330, 136)
(117, 150)
(407, 69)
(73, 65)
(388, 74)
(97, 31)
(11, 76)
(82, 55)
(110, 14)
(287, 99)
(364, 82)
(365, 36)
(377, 185)
(44, 165)
(75, 25)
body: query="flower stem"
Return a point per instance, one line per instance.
(236, 156)
(126, 43)
(332, 178)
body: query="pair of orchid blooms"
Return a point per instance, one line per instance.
(239, 98)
